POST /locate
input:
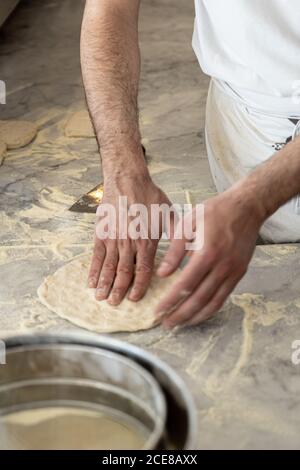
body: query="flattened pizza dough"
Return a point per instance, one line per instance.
(2, 151)
(66, 293)
(16, 134)
(80, 125)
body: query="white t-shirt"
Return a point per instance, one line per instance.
(252, 47)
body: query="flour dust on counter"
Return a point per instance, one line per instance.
(66, 293)
(16, 134)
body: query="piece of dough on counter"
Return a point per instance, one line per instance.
(66, 293)
(16, 134)
(80, 125)
(2, 151)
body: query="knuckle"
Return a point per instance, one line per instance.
(145, 245)
(144, 266)
(125, 269)
(97, 259)
(104, 283)
(98, 251)
(118, 291)
(123, 242)
(109, 265)
(124, 245)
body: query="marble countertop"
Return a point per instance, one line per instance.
(238, 365)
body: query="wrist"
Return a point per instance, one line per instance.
(127, 179)
(124, 163)
(247, 198)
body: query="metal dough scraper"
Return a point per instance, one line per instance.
(90, 201)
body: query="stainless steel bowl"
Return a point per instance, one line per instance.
(41, 374)
(181, 418)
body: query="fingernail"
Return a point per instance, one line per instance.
(101, 293)
(168, 326)
(114, 299)
(133, 295)
(92, 282)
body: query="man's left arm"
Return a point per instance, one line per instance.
(232, 221)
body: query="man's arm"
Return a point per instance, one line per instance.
(110, 61)
(231, 224)
(276, 181)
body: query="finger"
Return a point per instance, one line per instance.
(125, 270)
(96, 264)
(173, 258)
(192, 275)
(215, 303)
(143, 272)
(199, 299)
(108, 271)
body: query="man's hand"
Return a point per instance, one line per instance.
(110, 60)
(231, 226)
(113, 264)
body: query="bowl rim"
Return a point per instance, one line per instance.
(124, 347)
(159, 418)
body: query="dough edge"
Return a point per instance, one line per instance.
(80, 322)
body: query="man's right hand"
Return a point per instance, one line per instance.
(119, 263)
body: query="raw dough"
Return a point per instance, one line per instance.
(17, 134)
(2, 151)
(66, 293)
(80, 125)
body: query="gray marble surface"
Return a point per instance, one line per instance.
(238, 365)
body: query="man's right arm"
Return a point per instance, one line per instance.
(111, 67)
(110, 61)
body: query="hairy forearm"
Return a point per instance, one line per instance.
(275, 182)
(110, 61)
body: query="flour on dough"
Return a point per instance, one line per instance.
(66, 293)
(2, 151)
(16, 134)
(80, 125)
